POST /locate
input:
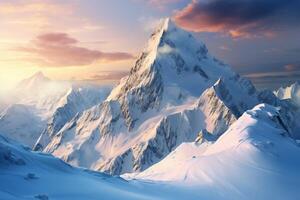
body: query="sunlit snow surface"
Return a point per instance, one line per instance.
(30, 175)
(254, 159)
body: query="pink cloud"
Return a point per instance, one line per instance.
(160, 4)
(60, 50)
(109, 75)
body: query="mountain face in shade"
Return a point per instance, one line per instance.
(175, 90)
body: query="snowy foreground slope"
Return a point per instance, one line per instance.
(254, 159)
(40, 105)
(28, 175)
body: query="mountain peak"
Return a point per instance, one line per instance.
(166, 24)
(39, 76)
(33, 81)
(173, 66)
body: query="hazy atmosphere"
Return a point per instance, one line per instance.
(98, 41)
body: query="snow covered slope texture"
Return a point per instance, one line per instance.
(157, 107)
(253, 159)
(30, 175)
(21, 123)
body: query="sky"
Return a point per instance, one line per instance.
(99, 40)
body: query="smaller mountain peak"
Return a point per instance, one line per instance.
(33, 81)
(39, 75)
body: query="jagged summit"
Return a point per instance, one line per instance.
(173, 57)
(40, 74)
(36, 78)
(33, 84)
(173, 67)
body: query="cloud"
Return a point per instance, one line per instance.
(162, 2)
(274, 80)
(292, 67)
(239, 18)
(225, 48)
(61, 50)
(108, 76)
(22, 7)
(159, 4)
(42, 16)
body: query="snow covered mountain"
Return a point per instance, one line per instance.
(175, 90)
(255, 152)
(42, 104)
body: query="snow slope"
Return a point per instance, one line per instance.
(254, 159)
(30, 175)
(21, 123)
(175, 90)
